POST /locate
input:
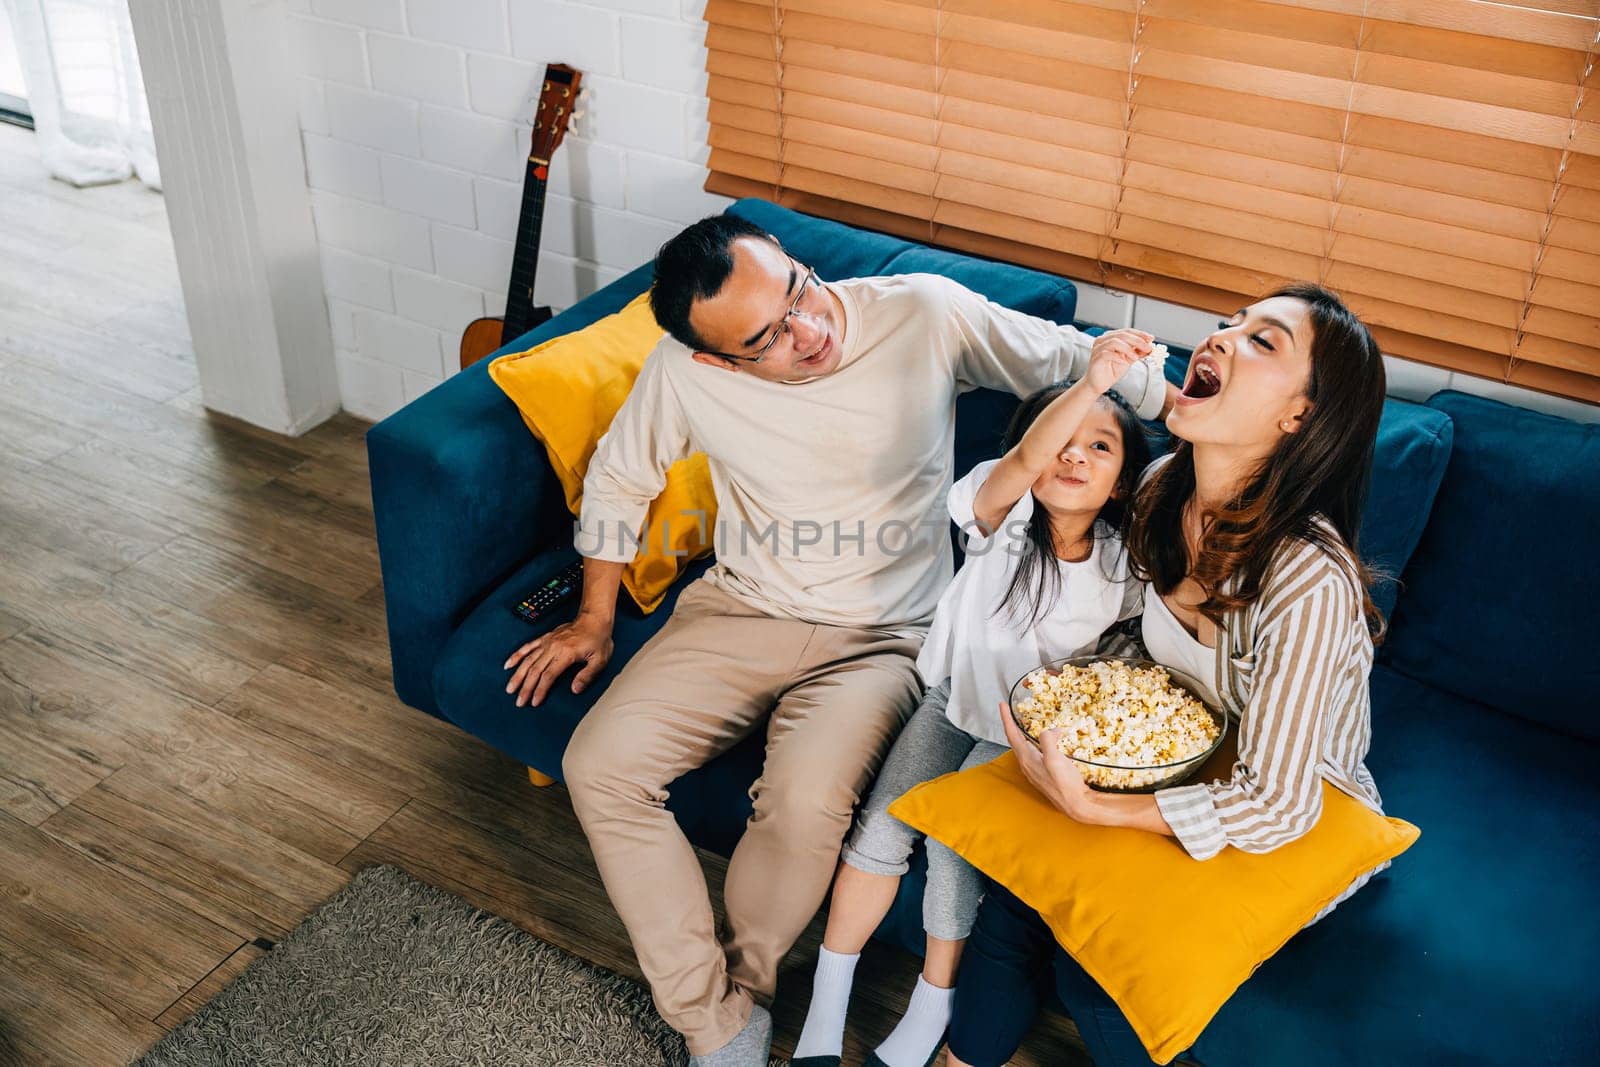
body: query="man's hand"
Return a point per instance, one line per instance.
(1113, 354)
(1051, 771)
(541, 661)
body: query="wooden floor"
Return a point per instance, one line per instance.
(199, 742)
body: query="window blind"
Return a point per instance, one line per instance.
(1437, 162)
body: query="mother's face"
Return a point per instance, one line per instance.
(1247, 382)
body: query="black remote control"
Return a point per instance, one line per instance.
(565, 583)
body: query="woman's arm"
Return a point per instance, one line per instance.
(1275, 792)
(1019, 468)
(1058, 779)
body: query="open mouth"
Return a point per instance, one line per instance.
(1204, 381)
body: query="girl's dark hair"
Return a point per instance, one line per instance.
(1036, 583)
(1322, 469)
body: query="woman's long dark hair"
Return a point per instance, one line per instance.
(1036, 583)
(1322, 469)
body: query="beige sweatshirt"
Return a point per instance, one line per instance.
(831, 492)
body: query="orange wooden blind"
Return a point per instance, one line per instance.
(1437, 162)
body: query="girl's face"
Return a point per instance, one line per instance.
(1085, 472)
(1247, 382)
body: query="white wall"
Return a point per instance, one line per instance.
(218, 80)
(415, 116)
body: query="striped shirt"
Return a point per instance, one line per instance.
(1292, 671)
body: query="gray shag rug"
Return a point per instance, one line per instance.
(393, 971)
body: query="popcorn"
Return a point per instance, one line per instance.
(1157, 359)
(1112, 712)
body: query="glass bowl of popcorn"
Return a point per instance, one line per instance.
(1131, 725)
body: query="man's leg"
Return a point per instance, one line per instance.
(702, 683)
(826, 739)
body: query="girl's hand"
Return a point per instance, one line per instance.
(1051, 771)
(1113, 353)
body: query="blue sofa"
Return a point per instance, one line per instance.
(1476, 947)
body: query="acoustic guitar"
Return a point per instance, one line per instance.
(556, 100)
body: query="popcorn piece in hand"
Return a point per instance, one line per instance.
(1157, 360)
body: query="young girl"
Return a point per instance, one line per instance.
(1045, 576)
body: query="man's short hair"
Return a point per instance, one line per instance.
(695, 265)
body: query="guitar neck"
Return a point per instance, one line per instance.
(525, 255)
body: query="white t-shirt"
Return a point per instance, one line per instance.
(830, 492)
(1171, 645)
(982, 650)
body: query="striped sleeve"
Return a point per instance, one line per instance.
(1302, 646)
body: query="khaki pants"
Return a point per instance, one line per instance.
(832, 699)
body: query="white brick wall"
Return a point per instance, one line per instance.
(416, 119)
(415, 116)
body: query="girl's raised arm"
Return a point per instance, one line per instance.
(1019, 468)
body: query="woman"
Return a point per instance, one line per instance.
(1246, 537)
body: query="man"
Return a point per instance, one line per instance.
(826, 411)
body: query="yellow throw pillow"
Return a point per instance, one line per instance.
(568, 390)
(1167, 936)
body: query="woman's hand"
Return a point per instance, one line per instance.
(1051, 771)
(1057, 778)
(1113, 354)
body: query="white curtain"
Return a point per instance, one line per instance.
(85, 89)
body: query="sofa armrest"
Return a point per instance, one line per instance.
(462, 494)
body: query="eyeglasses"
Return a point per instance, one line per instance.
(806, 284)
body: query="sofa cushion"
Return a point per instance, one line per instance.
(1478, 945)
(469, 682)
(833, 249)
(1407, 467)
(1500, 593)
(461, 496)
(569, 390)
(1127, 903)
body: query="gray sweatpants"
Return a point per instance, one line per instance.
(930, 745)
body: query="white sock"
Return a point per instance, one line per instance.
(823, 1033)
(922, 1028)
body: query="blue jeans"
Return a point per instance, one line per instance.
(1005, 973)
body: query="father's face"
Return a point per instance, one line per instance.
(754, 307)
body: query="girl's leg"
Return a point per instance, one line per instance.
(949, 906)
(941, 960)
(998, 989)
(1105, 1030)
(950, 903)
(877, 852)
(858, 905)
(875, 857)
(920, 1033)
